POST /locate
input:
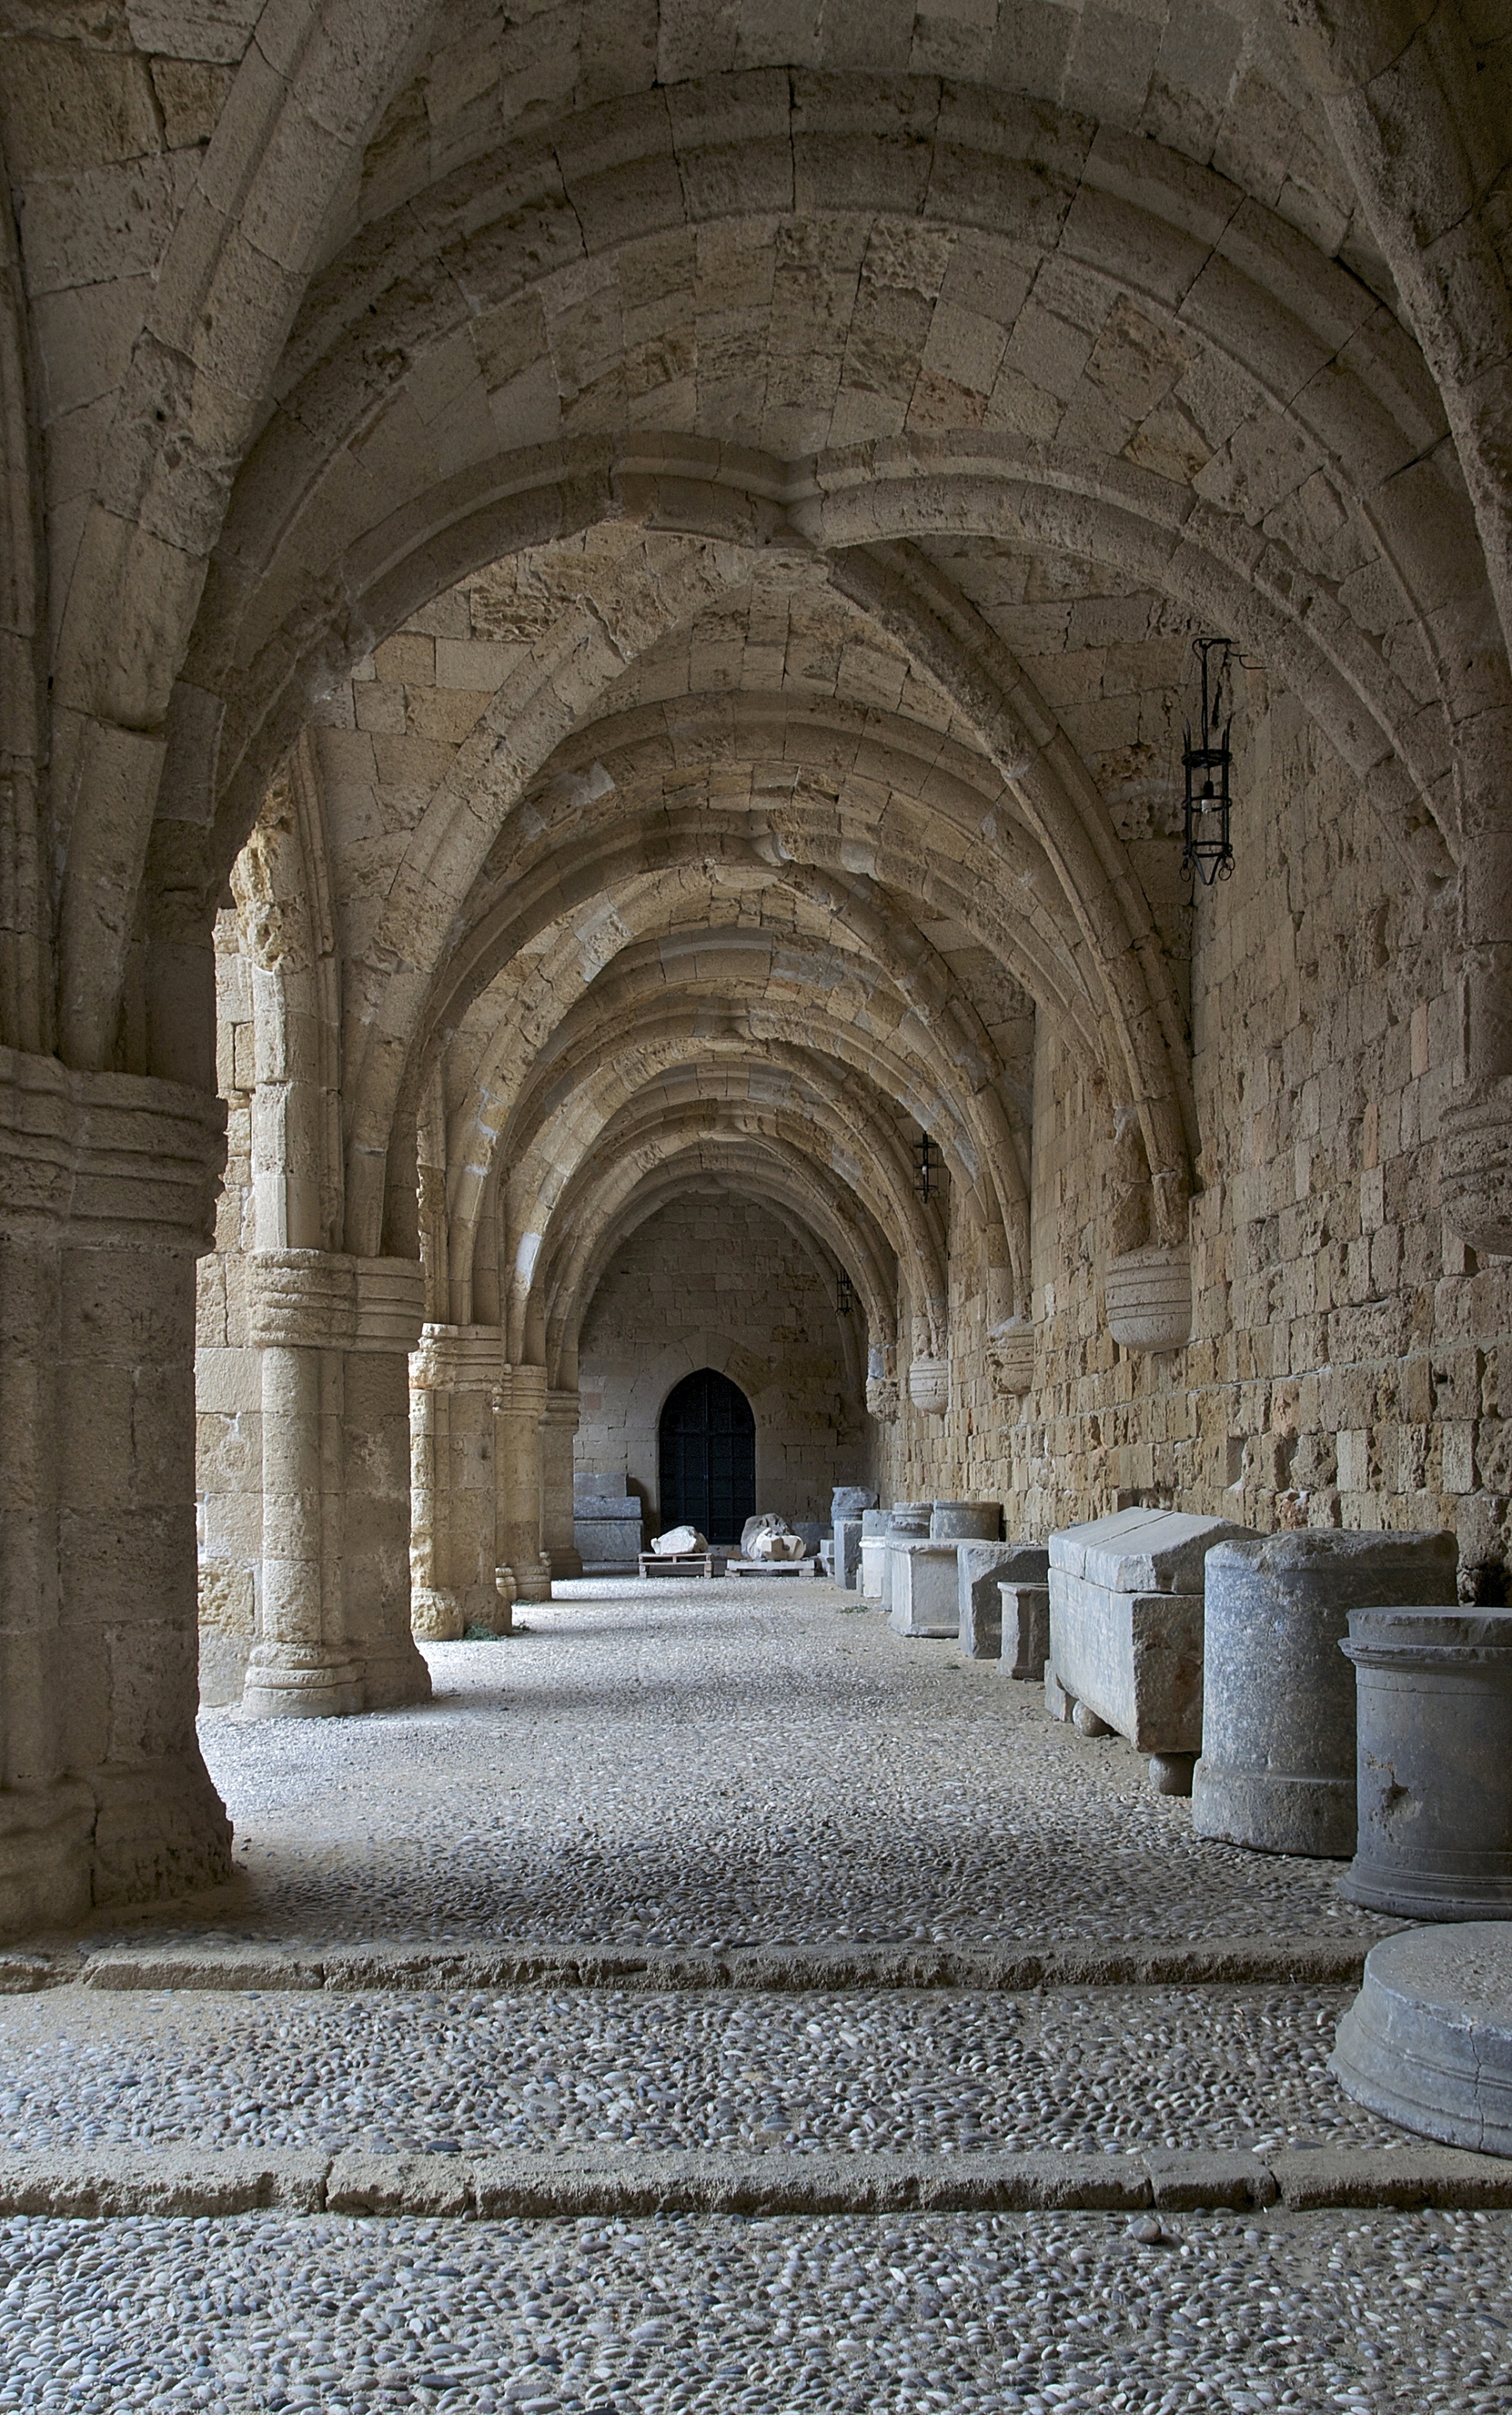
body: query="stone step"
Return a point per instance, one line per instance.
(222, 1964)
(541, 2187)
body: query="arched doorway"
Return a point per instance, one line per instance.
(706, 1456)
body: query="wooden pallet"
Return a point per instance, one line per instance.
(679, 1564)
(772, 1568)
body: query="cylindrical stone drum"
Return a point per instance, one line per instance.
(909, 1518)
(1435, 1763)
(965, 1521)
(1278, 1764)
(851, 1500)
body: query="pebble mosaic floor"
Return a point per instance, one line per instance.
(728, 1763)
(694, 1765)
(1108, 2069)
(1373, 2314)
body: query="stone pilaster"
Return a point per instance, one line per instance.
(333, 1597)
(455, 1376)
(557, 1437)
(521, 1407)
(106, 1190)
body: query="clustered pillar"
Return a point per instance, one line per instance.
(558, 1539)
(455, 1376)
(332, 1630)
(521, 1408)
(106, 1190)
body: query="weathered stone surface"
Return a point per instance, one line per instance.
(1125, 1644)
(1149, 1299)
(1434, 1712)
(1428, 2041)
(1278, 1769)
(847, 1550)
(1023, 1630)
(923, 1586)
(981, 1569)
(955, 1522)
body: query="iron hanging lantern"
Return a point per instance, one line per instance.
(927, 1161)
(844, 1297)
(1207, 850)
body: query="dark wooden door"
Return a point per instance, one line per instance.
(708, 1457)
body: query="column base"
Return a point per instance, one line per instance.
(529, 1583)
(160, 1830)
(46, 1857)
(289, 1687)
(437, 1614)
(392, 1680)
(564, 1560)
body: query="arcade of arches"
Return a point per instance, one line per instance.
(596, 630)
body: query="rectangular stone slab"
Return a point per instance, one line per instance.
(1134, 1658)
(981, 1568)
(1142, 1550)
(922, 1598)
(848, 1552)
(1024, 1630)
(607, 1538)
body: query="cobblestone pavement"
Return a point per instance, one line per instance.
(1109, 2068)
(731, 1762)
(1368, 2313)
(697, 1765)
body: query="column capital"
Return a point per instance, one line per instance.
(107, 1161)
(457, 1359)
(521, 1392)
(318, 1299)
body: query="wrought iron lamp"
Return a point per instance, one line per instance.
(844, 1296)
(1207, 850)
(928, 1162)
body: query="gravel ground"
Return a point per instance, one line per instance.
(929, 2074)
(1366, 2312)
(698, 1764)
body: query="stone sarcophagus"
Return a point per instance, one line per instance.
(1126, 1632)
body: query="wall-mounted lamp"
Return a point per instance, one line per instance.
(1207, 851)
(844, 1297)
(927, 1161)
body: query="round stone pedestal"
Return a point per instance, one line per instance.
(1428, 2041)
(1435, 1763)
(1278, 1765)
(909, 1518)
(965, 1521)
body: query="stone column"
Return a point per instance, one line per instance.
(453, 1553)
(106, 1190)
(557, 1437)
(334, 1579)
(521, 1410)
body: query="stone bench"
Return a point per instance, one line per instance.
(1126, 1632)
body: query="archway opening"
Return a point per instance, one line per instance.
(706, 1454)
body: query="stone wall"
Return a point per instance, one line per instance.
(1345, 1369)
(718, 1282)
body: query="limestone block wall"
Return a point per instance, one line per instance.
(718, 1282)
(1347, 1352)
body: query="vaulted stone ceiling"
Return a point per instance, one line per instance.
(719, 507)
